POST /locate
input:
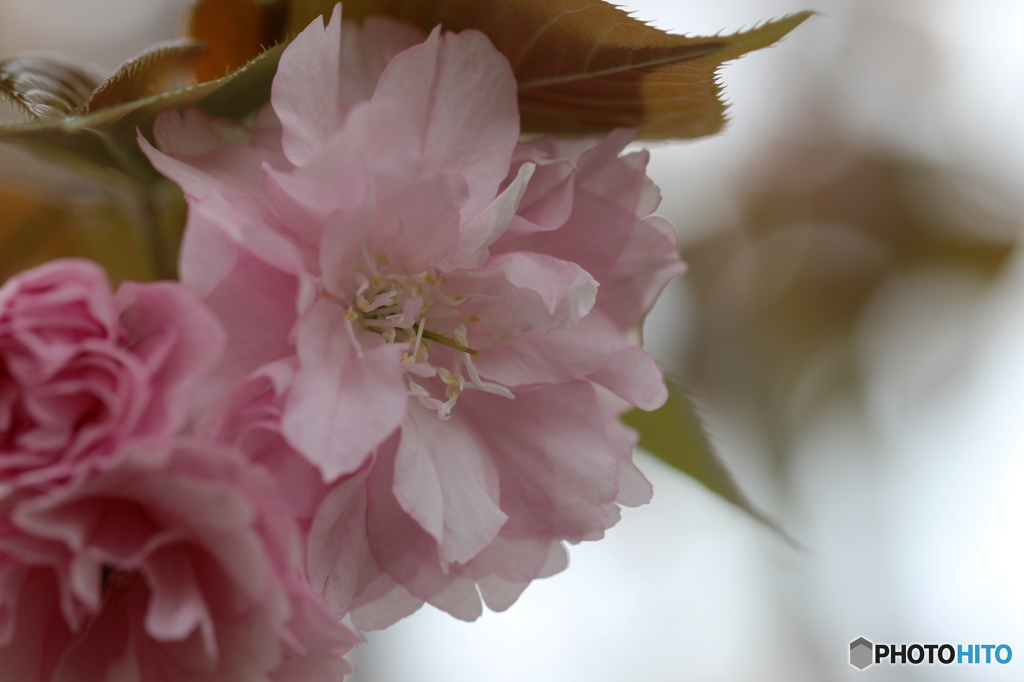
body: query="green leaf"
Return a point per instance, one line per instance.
(96, 133)
(163, 68)
(245, 90)
(674, 434)
(103, 137)
(586, 66)
(43, 89)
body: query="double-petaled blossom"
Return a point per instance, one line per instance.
(83, 371)
(179, 563)
(127, 550)
(438, 319)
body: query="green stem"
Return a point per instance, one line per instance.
(145, 188)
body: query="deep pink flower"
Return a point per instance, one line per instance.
(180, 564)
(445, 316)
(82, 372)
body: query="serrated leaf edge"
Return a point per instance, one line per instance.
(140, 61)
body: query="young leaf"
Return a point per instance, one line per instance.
(586, 66)
(161, 68)
(583, 66)
(243, 90)
(256, 75)
(664, 85)
(674, 433)
(104, 136)
(42, 88)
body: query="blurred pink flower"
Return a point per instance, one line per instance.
(180, 565)
(420, 292)
(82, 372)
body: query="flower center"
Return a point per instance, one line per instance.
(415, 309)
(116, 579)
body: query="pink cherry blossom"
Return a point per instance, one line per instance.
(83, 371)
(181, 564)
(438, 318)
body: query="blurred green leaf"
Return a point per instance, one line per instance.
(39, 226)
(99, 131)
(820, 230)
(674, 434)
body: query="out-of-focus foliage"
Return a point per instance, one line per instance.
(133, 224)
(823, 225)
(583, 66)
(844, 201)
(41, 224)
(674, 433)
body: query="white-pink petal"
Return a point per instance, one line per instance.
(488, 225)
(326, 71)
(542, 292)
(460, 94)
(306, 96)
(445, 480)
(345, 400)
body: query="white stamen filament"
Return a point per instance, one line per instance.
(419, 341)
(399, 308)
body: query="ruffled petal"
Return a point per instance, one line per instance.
(548, 488)
(306, 93)
(445, 481)
(374, 139)
(460, 94)
(407, 223)
(488, 225)
(204, 153)
(346, 400)
(179, 338)
(322, 75)
(534, 291)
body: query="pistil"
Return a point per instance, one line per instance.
(400, 308)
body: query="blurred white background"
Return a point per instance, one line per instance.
(907, 496)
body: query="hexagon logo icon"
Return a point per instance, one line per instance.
(861, 653)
